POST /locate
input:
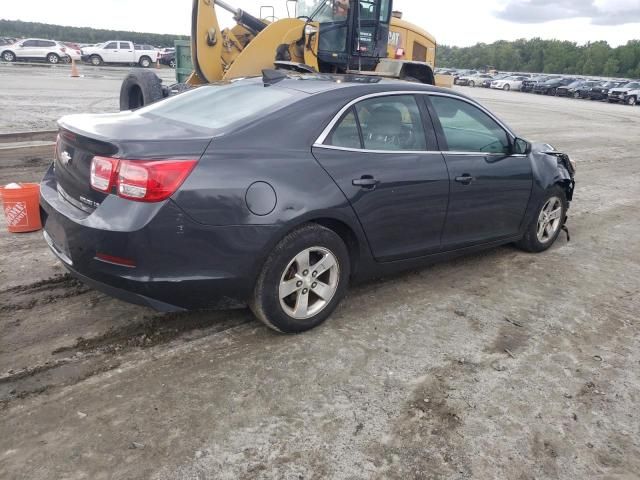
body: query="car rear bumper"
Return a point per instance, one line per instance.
(179, 264)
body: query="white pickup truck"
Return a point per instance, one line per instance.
(117, 51)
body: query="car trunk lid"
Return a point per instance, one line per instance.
(123, 136)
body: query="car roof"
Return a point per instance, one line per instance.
(317, 83)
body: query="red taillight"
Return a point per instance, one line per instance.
(140, 180)
(103, 173)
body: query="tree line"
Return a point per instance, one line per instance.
(547, 56)
(19, 29)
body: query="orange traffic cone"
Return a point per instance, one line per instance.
(74, 69)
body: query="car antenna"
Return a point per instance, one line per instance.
(271, 77)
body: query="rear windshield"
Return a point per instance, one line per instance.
(216, 107)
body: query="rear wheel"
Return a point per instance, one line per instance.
(140, 88)
(53, 58)
(303, 280)
(547, 224)
(96, 60)
(8, 56)
(172, 63)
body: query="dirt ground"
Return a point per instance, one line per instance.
(498, 365)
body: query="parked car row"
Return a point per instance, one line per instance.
(54, 52)
(613, 91)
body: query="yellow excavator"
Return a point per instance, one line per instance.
(323, 36)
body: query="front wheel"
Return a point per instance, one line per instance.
(145, 62)
(632, 101)
(548, 222)
(472, 84)
(303, 280)
(96, 60)
(53, 58)
(507, 87)
(8, 56)
(172, 63)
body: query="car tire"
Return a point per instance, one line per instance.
(632, 101)
(577, 95)
(53, 58)
(145, 62)
(293, 259)
(472, 84)
(8, 56)
(140, 88)
(553, 92)
(507, 87)
(96, 60)
(172, 64)
(538, 237)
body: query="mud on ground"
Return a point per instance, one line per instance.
(497, 365)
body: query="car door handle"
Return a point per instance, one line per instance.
(366, 181)
(465, 179)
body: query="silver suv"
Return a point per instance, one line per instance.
(35, 49)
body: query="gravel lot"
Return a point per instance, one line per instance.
(497, 365)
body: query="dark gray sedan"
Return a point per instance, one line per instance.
(279, 192)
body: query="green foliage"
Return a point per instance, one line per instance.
(19, 29)
(548, 56)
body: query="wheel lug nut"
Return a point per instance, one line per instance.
(306, 272)
(314, 274)
(298, 284)
(314, 285)
(305, 291)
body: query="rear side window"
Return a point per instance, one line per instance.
(346, 134)
(468, 129)
(391, 123)
(217, 107)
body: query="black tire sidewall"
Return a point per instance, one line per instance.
(13, 56)
(266, 304)
(53, 55)
(530, 240)
(148, 82)
(95, 63)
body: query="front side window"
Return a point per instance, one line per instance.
(111, 46)
(30, 43)
(468, 129)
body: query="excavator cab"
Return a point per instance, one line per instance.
(352, 34)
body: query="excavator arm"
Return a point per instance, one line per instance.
(244, 50)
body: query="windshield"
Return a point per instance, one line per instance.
(217, 107)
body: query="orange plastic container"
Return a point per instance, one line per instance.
(22, 207)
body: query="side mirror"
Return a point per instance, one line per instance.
(521, 146)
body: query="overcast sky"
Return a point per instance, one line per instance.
(453, 22)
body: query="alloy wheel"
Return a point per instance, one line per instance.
(549, 220)
(309, 283)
